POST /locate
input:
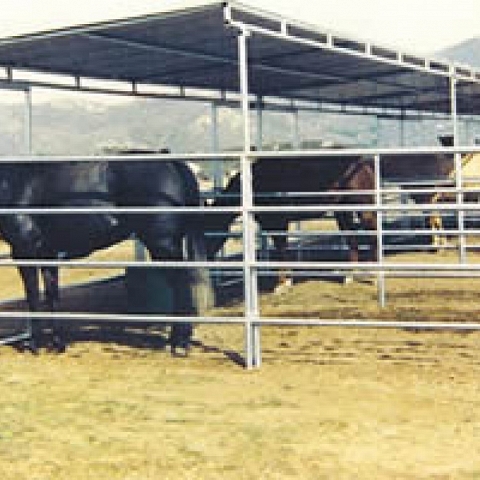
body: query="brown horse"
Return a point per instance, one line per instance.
(290, 181)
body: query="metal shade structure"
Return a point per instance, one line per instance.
(228, 52)
(195, 47)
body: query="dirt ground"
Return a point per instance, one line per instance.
(328, 403)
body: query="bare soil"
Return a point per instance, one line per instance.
(328, 403)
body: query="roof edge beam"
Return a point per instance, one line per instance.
(406, 61)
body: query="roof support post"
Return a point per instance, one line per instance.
(252, 331)
(218, 169)
(296, 129)
(28, 122)
(402, 128)
(453, 106)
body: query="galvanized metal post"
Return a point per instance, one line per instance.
(28, 151)
(376, 141)
(378, 203)
(402, 128)
(296, 146)
(453, 105)
(458, 170)
(252, 331)
(461, 213)
(296, 129)
(263, 247)
(28, 122)
(218, 170)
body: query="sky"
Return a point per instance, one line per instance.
(416, 26)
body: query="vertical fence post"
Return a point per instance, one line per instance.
(462, 250)
(252, 331)
(28, 151)
(462, 240)
(379, 216)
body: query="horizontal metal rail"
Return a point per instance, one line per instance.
(120, 158)
(260, 264)
(118, 317)
(89, 210)
(357, 207)
(395, 324)
(399, 190)
(315, 154)
(373, 267)
(119, 264)
(240, 320)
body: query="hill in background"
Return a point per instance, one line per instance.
(467, 52)
(73, 127)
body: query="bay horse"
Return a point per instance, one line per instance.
(99, 184)
(275, 181)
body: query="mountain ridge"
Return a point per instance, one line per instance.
(466, 52)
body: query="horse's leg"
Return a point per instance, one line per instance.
(180, 283)
(52, 297)
(278, 226)
(436, 225)
(29, 277)
(368, 221)
(27, 241)
(345, 221)
(161, 237)
(284, 282)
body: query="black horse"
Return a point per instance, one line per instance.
(275, 181)
(99, 184)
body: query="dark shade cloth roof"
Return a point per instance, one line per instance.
(196, 47)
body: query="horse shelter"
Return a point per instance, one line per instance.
(227, 54)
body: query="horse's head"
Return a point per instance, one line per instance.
(217, 224)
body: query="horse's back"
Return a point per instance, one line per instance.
(429, 166)
(154, 183)
(73, 179)
(277, 180)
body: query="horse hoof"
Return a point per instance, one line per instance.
(58, 346)
(282, 288)
(29, 346)
(181, 349)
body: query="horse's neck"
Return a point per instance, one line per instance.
(218, 223)
(359, 175)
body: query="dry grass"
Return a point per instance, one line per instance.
(327, 403)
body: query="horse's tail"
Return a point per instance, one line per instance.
(195, 248)
(202, 289)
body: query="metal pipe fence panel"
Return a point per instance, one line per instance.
(251, 263)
